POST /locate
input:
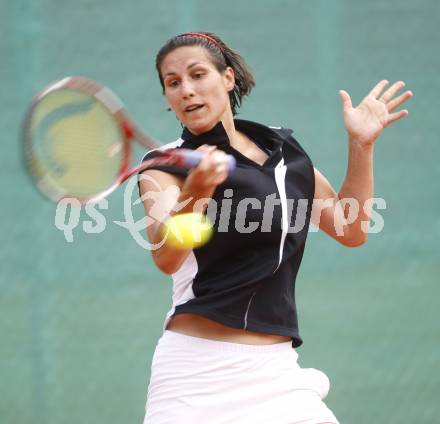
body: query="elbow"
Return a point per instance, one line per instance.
(354, 241)
(166, 267)
(168, 264)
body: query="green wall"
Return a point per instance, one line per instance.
(79, 321)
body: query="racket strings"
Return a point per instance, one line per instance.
(77, 146)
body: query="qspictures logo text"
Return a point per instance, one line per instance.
(68, 213)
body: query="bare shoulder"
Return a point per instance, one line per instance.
(323, 188)
(156, 180)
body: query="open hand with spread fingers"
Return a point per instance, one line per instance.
(365, 123)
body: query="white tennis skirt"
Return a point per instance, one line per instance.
(196, 380)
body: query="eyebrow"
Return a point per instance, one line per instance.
(188, 67)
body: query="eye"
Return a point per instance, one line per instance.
(172, 83)
(198, 75)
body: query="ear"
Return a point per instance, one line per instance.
(229, 78)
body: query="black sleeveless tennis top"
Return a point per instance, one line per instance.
(245, 276)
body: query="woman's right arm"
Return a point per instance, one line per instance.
(166, 195)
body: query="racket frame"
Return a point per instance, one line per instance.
(129, 133)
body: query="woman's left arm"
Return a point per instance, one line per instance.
(345, 215)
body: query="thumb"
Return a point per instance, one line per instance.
(346, 100)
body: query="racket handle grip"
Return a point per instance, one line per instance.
(191, 158)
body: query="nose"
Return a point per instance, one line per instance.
(187, 89)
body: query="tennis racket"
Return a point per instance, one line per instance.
(77, 138)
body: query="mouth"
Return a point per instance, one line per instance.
(192, 108)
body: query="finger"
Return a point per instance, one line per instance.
(213, 163)
(375, 92)
(221, 167)
(391, 92)
(205, 164)
(396, 116)
(219, 157)
(207, 151)
(206, 148)
(217, 165)
(346, 100)
(395, 103)
(215, 174)
(220, 174)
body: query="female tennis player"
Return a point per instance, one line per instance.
(227, 353)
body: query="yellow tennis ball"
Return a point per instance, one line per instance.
(187, 230)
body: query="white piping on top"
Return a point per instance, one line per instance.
(280, 179)
(247, 310)
(183, 280)
(170, 145)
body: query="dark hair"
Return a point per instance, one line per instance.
(222, 56)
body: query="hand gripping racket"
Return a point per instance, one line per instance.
(78, 137)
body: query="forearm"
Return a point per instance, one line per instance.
(364, 124)
(168, 258)
(193, 195)
(358, 189)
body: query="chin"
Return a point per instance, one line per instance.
(201, 127)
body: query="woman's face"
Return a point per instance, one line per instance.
(196, 91)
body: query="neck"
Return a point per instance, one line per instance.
(229, 126)
(235, 138)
